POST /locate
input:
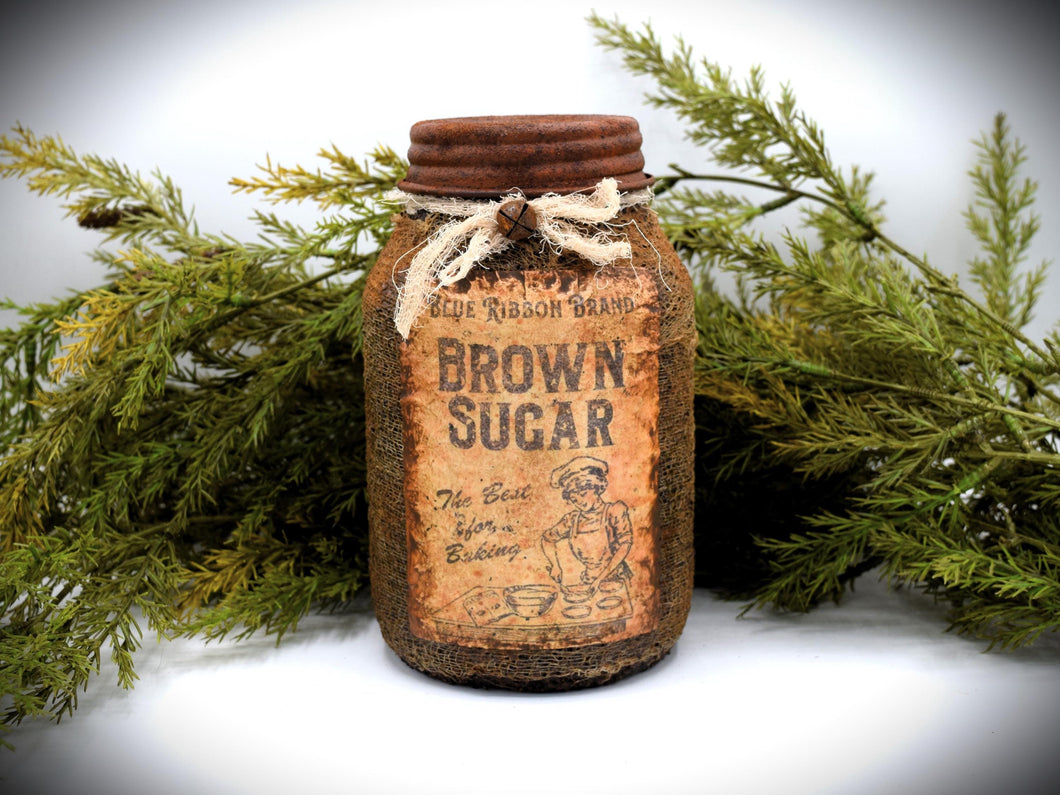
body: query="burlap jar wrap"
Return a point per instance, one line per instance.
(486, 636)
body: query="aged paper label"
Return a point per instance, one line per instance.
(530, 407)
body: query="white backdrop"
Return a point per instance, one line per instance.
(204, 90)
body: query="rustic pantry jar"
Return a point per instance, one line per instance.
(528, 344)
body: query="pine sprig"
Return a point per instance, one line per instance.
(1004, 224)
(346, 181)
(183, 445)
(856, 362)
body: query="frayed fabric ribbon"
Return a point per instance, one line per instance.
(577, 223)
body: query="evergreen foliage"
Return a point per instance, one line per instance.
(917, 415)
(184, 445)
(184, 442)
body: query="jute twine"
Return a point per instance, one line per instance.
(577, 222)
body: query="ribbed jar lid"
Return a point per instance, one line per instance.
(489, 156)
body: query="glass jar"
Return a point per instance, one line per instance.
(528, 346)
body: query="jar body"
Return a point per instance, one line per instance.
(535, 630)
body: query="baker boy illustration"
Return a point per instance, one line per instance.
(589, 544)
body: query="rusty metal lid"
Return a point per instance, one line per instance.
(489, 156)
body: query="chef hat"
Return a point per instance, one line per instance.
(584, 466)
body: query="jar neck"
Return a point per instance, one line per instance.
(462, 207)
(584, 225)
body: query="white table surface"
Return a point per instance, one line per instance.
(869, 697)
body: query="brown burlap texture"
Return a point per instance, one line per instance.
(532, 670)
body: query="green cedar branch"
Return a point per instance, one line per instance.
(150, 424)
(923, 413)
